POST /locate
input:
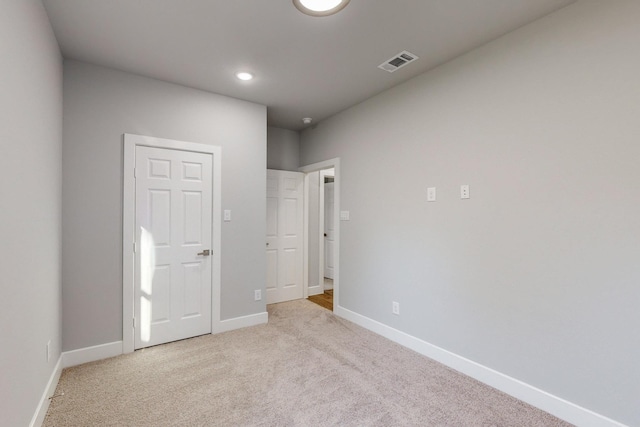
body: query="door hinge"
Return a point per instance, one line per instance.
(135, 172)
(135, 247)
(134, 323)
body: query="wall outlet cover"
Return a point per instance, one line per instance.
(431, 194)
(464, 192)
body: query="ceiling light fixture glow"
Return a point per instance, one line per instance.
(244, 76)
(320, 7)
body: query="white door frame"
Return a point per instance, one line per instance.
(327, 164)
(128, 227)
(321, 201)
(321, 221)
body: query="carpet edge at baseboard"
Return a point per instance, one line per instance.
(50, 388)
(541, 399)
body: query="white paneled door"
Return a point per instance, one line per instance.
(329, 230)
(173, 245)
(284, 236)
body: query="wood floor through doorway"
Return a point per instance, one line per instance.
(324, 300)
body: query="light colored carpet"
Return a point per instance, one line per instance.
(307, 367)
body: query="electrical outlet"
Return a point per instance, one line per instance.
(395, 308)
(257, 294)
(431, 194)
(464, 192)
(49, 350)
(227, 215)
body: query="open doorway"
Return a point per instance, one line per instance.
(321, 269)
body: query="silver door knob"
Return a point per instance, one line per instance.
(206, 252)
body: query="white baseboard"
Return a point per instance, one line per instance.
(315, 290)
(91, 354)
(104, 351)
(43, 405)
(554, 405)
(242, 322)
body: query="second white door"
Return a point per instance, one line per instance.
(284, 236)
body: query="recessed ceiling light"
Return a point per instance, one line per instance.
(320, 7)
(244, 76)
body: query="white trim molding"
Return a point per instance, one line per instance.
(128, 227)
(327, 164)
(242, 322)
(43, 405)
(112, 349)
(91, 354)
(314, 290)
(305, 239)
(554, 405)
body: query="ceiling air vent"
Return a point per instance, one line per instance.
(398, 61)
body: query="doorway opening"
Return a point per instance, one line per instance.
(322, 235)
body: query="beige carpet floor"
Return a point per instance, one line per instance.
(307, 367)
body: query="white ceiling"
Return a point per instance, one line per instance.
(304, 66)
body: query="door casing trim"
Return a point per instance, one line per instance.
(327, 164)
(128, 227)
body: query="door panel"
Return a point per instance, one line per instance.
(160, 212)
(161, 286)
(173, 227)
(192, 295)
(291, 210)
(290, 268)
(193, 217)
(272, 217)
(284, 236)
(272, 270)
(329, 230)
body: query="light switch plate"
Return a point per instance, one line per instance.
(227, 215)
(431, 194)
(344, 215)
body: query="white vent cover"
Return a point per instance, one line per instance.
(398, 61)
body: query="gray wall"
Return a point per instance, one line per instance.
(537, 275)
(30, 163)
(101, 105)
(283, 149)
